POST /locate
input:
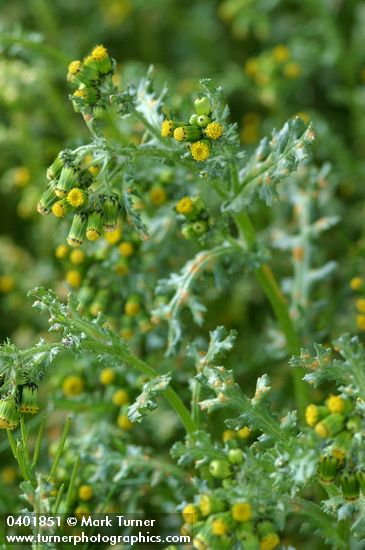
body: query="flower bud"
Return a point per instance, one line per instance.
(330, 426)
(68, 180)
(100, 59)
(350, 486)
(29, 399)
(354, 424)
(203, 121)
(94, 226)
(54, 170)
(193, 119)
(328, 468)
(209, 504)
(200, 227)
(110, 206)
(77, 230)
(235, 456)
(9, 414)
(314, 413)
(187, 133)
(219, 469)
(202, 106)
(47, 199)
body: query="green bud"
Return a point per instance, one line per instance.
(328, 468)
(188, 232)
(342, 445)
(330, 426)
(220, 469)
(100, 60)
(193, 119)
(110, 206)
(29, 399)
(77, 230)
(200, 227)
(47, 199)
(86, 74)
(235, 456)
(203, 121)
(68, 180)
(209, 504)
(9, 413)
(94, 226)
(188, 133)
(350, 486)
(202, 106)
(54, 170)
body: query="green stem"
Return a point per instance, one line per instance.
(171, 396)
(280, 308)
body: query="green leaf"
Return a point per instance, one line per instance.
(146, 401)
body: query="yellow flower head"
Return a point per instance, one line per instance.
(99, 53)
(74, 67)
(76, 197)
(6, 283)
(244, 432)
(124, 423)
(21, 176)
(200, 150)
(214, 130)
(126, 333)
(360, 322)
(241, 511)
(360, 305)
(180, 133)
(61, 251)
(269, 542)
(356, 283)
(185, 206)
(94, 170)
(59, 209)
(321, 430)
(228, 435)
(167, 128)
(114, 236)
(86, 492)
(280, 53)
(80, 92)
(132, 308)
(158, 195)
(92, 234)
(120, 397)
(311, 415)
(251, 66)
(73, 278)
(8, 475)
(205, 504)
(335, 404)
(126, 249)
(77, 256)
(219, 527)
(190, 514)
(292, 70)
(107, 376)
(72, 386)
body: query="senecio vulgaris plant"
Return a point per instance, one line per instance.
(152, 229)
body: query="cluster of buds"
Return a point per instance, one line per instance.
(93, 75)
(213, 522)
(198, 133)
(193, 210)
(357, 285)
(219, 518)
(23, 401)
(70, 190)
(338, 423)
